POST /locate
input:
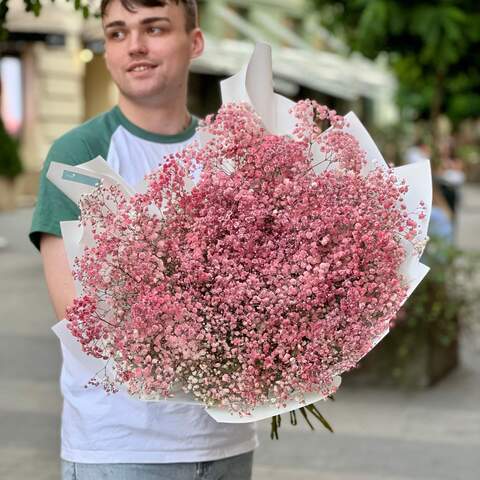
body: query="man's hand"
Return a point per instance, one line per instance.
(57, 273)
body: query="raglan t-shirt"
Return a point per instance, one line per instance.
(116, 428)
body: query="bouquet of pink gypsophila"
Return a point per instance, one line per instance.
(260, 283)
(251, 269)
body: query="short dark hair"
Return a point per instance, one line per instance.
(189, 6)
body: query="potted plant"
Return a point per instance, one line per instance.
(422, 346)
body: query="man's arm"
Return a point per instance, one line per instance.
(53, 207)
(57, 273)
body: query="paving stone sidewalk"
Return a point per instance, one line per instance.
(380, 434)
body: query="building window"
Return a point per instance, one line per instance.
(11, 94)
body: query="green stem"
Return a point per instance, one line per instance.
(313, 410)
(305, 416)
(275, 425)
(277, 420)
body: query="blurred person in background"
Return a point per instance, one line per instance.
(441, 224)
(450, 175)
(440, 230)
(418, 152)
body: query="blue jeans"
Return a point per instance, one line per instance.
(232, 468)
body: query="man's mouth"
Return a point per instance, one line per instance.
(141, 67)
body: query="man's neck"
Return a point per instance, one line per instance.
(163, 120)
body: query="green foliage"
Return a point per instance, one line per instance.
(433, 48)
(422, 345)
(10, 164)
(443, 303)
(35, 7)
(448, 291)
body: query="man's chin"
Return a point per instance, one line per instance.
(145, 96)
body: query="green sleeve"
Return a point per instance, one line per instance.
(53, 206)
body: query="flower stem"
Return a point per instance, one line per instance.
(304, 411)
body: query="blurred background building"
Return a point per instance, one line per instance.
(54, 76)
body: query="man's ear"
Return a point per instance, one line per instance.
(105, 59)
(198, 43)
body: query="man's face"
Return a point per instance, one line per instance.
(148, 51)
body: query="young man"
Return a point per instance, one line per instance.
(149, 45)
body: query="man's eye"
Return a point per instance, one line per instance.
(117, 35)
(155, 30)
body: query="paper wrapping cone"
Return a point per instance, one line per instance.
(253, 85)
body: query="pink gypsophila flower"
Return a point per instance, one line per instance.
(262, 282)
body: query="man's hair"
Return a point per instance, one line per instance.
(189, 7)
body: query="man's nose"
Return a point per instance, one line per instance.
(137, 45)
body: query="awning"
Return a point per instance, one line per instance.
(347, 77)
(342, 77)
